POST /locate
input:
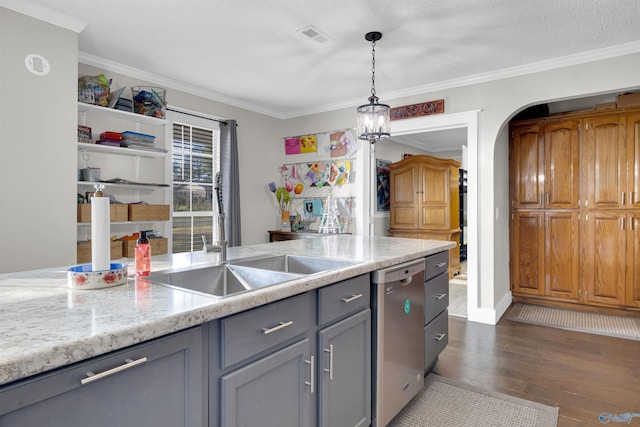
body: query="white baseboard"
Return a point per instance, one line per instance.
(490, 316)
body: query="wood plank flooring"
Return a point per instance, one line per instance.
(582, 374)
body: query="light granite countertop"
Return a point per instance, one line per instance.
(45, 325)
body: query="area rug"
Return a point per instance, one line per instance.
(574, 320)
(447, 403)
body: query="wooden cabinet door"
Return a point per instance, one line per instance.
(344, 372)
(606, 180)
(633, 259)
(527, 253)
(405, 188)
(633, 161)
(435, 197)
(562, 255)
(527, 165)
(605, 260)
(561, 165)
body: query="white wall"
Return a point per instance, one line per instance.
(37, 145)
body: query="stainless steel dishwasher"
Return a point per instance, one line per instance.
(399, 357)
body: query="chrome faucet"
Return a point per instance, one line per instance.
(221, 244)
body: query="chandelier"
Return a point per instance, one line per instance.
(373, 118)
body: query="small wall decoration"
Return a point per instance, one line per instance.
(308, 144)
(334, 144)
(417, 110)
(383, 184)
(292, 145)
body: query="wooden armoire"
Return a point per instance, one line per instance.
(575, 209)
(424, 202)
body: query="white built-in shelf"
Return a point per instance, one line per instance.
(136, 186)
(123, 151)
(88, 224)
(125, 115)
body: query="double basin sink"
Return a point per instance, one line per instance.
(247, 274)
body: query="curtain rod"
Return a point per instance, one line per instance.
(224, 122)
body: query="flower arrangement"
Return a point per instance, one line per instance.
(282, 194)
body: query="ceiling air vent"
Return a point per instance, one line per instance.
(313, 33)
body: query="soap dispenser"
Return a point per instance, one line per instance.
(143, 255)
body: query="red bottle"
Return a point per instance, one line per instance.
(143, 255)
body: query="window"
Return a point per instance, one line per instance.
(196, 160)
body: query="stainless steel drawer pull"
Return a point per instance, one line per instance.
(282, 325)
(440, 337)
(312, 374)
(352, 298)
(439, 296)
(330, 370)
(91, 377)
(441, 264)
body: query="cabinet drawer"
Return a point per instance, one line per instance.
(436, 296)
(349, 296)
(249, 333)
(436, 264)
(436, 338)
(158, 383)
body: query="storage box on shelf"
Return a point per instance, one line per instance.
(144, 212)
(118, 213)
(159, 246)
(84, 251)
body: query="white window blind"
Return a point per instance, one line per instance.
(196, 160)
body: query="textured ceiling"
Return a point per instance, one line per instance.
(248, 53)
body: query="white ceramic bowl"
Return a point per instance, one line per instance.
(82, 277)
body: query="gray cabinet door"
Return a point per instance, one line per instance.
(166, 389)
(344, 370)
(273, 391)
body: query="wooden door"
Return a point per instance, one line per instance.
(633, 161)
(633, 259)
(527, 253)
(606, 162)
(562, 255)
(605, 260)
(435, 197)
(405, 188)
(527, 165)
(561, 165)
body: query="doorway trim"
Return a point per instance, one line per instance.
(468, 120)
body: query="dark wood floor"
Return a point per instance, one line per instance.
(582, 374)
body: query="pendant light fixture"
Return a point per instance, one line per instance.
(373, 118)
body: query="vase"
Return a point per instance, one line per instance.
(285, 225)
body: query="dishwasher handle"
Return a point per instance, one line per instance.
(398, 273)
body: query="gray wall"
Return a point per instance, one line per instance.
(37, 145)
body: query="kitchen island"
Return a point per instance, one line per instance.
(45, 325)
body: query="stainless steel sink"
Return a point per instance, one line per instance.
(297, 264)
(222, 280)
(246, 274)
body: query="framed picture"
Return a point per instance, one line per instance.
(382, 184)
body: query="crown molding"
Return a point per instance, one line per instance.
(45, 14)
(115, 67)
(521, 70)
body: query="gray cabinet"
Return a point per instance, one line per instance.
(344, 369)
(271, 392)
(158, 383)
(302, 361)
(436, 302)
